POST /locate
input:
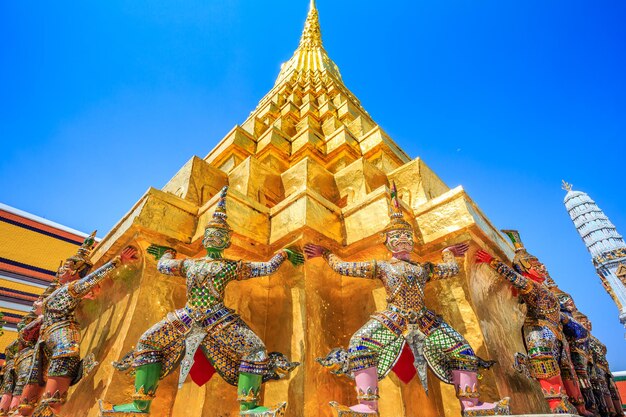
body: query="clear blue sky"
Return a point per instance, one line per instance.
(101, 100)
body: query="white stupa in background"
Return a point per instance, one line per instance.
(605, 244)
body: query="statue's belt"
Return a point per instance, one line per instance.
(411, 315)
(206, 319)
(398, 319)
(420, 317)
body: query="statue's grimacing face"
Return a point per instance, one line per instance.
(399, 241)
(567, 303)
(69, 271)
(215, 238)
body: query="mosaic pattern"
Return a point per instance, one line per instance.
(8, 378)
(446, 350)
(57, 352)
(23, 364)
(207, 278)
(62, 303)
(380, 341)
(543, 305)
(579, 342)
(374, 345)
(547, 351)
(602, 381)
(403, 281)
(229, 344)
(7, 373)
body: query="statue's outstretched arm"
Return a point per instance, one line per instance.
(350, 269)
(449, 267)
(168, 265)
(518, 281)
(82, 287)
(247, 270)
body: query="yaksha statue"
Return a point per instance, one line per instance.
(8, 377)
(375, 348)
(548, 356)
(19, 365)
(578, 339)
(606, 393)
(56, 362)
(232, 348)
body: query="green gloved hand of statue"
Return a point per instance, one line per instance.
(158, 251)
(295, 256)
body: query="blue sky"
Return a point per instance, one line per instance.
(101, 100)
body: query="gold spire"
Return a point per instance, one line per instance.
(567, 186)
(310, 57)
(312, 33)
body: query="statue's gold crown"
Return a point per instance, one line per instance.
(397, 221)
(81, 259)
(522, 260)
(218, 221)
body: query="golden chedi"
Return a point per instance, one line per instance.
(308, 165)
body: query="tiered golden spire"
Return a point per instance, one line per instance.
(309, 113)
(312, 33)
(310, 55)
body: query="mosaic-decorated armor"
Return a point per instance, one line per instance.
(8, 377)
(27, 333)
(59, 340)
(231, 347)
(547, 359)
(578, 339)
(56, 361)
(376, 347)
(27, 336)
(602, 380)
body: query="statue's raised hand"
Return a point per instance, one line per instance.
(158, 251)
(459, 249)
(294, 255)
(312, 250)
(129, 254)
(483, 257)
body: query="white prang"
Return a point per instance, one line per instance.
(602, 240)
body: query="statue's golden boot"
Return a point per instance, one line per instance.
(501, 408)
(276, 411)
(344, 411)
(107, 410)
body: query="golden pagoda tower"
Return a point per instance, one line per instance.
(308, 165)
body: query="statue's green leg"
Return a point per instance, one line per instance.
(146, 382)
(248, 390)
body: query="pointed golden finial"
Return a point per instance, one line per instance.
(310, 56)
(566, 186)
(312, 34)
